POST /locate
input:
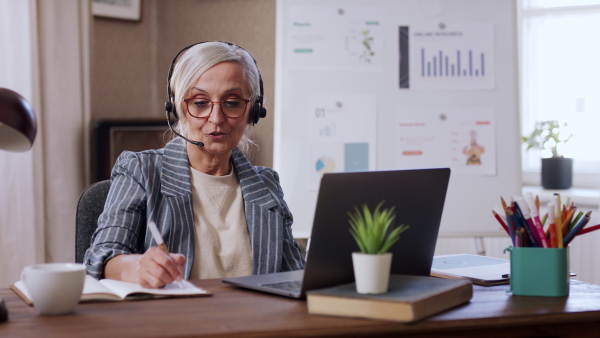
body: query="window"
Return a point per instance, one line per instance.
(560, 79)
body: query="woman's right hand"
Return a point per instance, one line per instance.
(153, 269)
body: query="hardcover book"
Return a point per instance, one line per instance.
(409, 299)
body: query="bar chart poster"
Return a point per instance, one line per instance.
(447, 57)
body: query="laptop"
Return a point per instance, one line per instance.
(418, 196)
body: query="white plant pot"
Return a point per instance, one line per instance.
(372, 272)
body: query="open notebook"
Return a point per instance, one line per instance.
(114, 290)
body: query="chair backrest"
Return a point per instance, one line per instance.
(90, 206)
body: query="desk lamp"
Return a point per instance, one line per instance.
(17, 132)
(17, 122)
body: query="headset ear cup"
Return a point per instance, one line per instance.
(170, 108)
(256, 112)
(263, 112)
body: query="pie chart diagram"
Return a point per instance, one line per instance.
(325, 165)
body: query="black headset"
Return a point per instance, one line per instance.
(257, 112)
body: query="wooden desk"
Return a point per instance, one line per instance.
(241, 313)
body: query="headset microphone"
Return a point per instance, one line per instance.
(169, 108)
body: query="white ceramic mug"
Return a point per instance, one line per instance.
(54, 288)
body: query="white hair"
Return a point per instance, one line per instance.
(199, 58)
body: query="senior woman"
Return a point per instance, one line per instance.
(218, 215)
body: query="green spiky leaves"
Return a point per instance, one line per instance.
(370, 229)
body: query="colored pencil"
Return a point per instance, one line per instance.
(526, 223)
(501, 221)
(588, 229)
(573, 222)
(512, 223)
(535, 222)
(558, 221)
(566, 222)
(504, 206)
(577, 228)
(552, 226)
(544, 220)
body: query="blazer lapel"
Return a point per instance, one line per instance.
(175, 177)
(177, 210)
(264, 225)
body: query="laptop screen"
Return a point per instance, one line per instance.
(418, 197)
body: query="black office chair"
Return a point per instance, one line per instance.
(90, 206)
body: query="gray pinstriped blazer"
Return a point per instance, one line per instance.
(155, 185)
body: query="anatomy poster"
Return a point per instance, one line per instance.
(461, 138)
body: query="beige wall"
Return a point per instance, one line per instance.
(130, 59)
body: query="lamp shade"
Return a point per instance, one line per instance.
(18, 126)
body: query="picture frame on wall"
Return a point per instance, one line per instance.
(113, 136)
(117, 9)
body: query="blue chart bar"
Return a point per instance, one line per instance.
(422, 62)
(458, 62)
(470, 63)
(445, 65)
(482, 65)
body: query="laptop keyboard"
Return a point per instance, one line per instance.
(295, 285)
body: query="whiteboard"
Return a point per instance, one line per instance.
(470, 197)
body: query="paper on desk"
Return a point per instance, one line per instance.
(477, 268)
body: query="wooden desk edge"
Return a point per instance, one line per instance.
(268, 315)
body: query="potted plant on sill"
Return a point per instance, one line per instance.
(374, 237)
(557, 170)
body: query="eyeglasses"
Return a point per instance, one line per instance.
(201, 107)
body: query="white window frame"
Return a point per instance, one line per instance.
(585, 175)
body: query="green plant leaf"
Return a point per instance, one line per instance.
(372, 231)
(357, 229)
(393, 238)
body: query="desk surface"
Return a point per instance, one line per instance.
(241, 313)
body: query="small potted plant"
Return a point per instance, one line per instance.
(557, 170)
(374, 236)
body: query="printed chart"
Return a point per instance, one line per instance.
(459, 57)
(341, 135)
(341, 38)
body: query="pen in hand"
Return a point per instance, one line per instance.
(158, 239)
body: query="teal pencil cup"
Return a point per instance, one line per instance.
(539, 272)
